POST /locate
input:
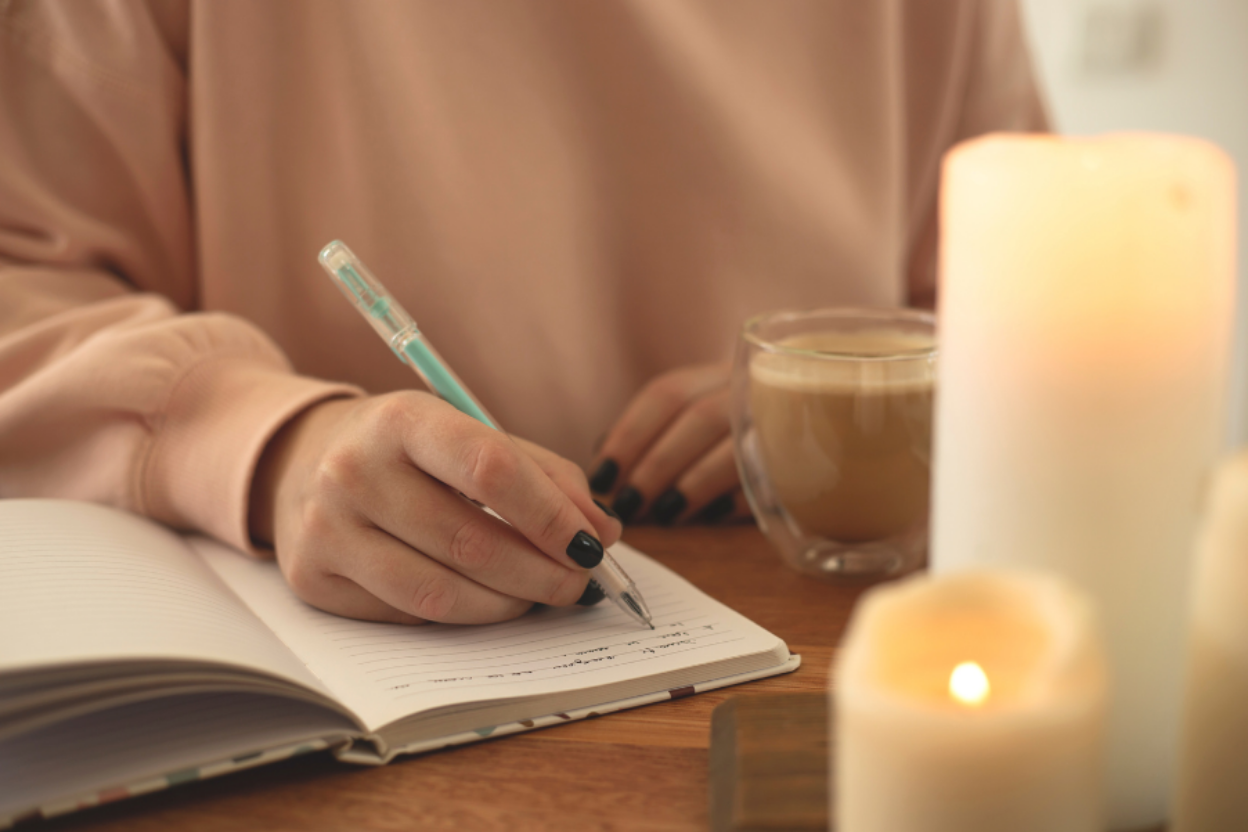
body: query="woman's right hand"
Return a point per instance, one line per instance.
(364, 502)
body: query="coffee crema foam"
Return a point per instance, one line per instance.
(844, 362)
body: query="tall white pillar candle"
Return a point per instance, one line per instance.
(970, 703)
(1085, 314)
(1212, 794)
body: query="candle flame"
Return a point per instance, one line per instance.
(968, 684)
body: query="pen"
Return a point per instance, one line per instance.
(399, 331)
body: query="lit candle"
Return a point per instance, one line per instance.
(1085, 318)
(969, 703)
(1213, 753)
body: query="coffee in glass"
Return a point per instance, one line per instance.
(832, 424)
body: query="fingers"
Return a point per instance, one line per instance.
(571, 480)
(713, 476)
(415, 584)
(337, 561)
(670, 456)
(460, 536)
(645, 419)
(722, 507)
(679, 457)
(687, 461)
(729, 507)
(490, 467)
(381, 579)
(342, 596)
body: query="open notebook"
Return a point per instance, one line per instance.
(132, 659)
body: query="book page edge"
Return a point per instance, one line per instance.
(367, 753)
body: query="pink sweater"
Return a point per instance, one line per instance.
(569, 196)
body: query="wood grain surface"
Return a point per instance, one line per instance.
(645, 769)
(769, 767)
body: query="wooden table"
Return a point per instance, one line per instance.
(640, 769)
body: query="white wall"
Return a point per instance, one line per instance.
(1174, 65)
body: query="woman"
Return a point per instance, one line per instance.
(573, 199)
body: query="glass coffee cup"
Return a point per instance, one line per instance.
(832, 427)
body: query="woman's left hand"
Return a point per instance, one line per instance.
(669, 456)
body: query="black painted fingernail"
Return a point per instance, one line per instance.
(585, 550)
(592, 595)
(606, 510)
(626, 503)
(668, 507)
(720, 507)
(604, 478)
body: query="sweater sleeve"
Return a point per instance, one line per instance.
(110, 390)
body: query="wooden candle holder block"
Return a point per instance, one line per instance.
(770, 763)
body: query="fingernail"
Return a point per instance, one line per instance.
(668, 507)
(592, 595)
(604, 478)
(721, 506)
(606, 510)
(626, 503)
(585, 550)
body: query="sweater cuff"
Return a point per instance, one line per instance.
(216, 424)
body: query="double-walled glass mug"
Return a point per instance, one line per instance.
(832, 424)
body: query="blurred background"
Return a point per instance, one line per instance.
(1175, 65)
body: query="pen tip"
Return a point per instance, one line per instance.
(651, 625)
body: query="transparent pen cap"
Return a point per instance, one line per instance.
(366, 293)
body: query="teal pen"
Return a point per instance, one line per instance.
(398, 330)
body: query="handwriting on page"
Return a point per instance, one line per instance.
(385, 672)
(548, 644)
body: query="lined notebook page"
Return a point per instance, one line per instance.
(384, 672)
(83, 583)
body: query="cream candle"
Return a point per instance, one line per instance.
(970, 703)
(1213, 752)
(1086, 306)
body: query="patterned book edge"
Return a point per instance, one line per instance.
(363, 754)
